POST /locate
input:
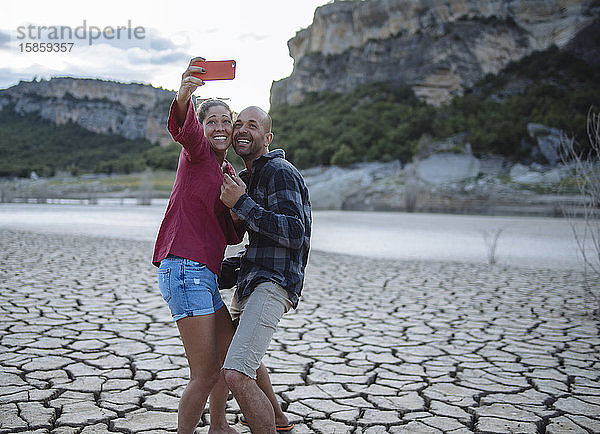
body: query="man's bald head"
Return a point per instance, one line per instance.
(260, 115)
(252, 133)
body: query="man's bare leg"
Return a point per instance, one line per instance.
(264, 382)
(254, 404)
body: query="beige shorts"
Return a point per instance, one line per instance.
(258, 314)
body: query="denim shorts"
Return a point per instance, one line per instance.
(188, 287)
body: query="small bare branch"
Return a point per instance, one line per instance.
(586, 171)
(491, 242)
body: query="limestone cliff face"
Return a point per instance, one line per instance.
(130, 110)
(438, 47)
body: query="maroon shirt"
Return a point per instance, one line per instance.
(197, 225)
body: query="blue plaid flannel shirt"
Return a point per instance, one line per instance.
(277, 213)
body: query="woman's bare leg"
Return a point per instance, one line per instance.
(198, 334)
(220, 391)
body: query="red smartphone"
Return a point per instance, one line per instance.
(216, 69)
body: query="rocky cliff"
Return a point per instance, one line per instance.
(438, 47)
(130, 110)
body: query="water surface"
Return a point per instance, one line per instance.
(523, 241)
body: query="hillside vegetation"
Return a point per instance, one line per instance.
(29, 144)
(380, 122)
(376, 122)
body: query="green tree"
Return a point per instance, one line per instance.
(344, 156)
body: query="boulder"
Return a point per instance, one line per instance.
(525, 175)
(554, 175)
(548, 140)
(330, 186)
(493, 165)
(446, 168)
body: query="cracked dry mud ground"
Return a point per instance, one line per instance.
(87, 345)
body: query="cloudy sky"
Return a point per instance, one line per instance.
(155, 41)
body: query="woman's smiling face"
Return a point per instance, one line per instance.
(218, 128)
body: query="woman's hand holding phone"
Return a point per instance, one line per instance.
(189, 82)
(188, 85)
(194, 76)
(198, 71)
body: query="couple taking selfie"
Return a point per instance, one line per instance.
(210, 206)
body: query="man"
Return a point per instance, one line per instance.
(275, 210)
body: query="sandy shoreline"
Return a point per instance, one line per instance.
(375, 345)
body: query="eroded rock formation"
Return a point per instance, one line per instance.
(133, 111)
(438, 47)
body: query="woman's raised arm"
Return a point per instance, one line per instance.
(188, 85)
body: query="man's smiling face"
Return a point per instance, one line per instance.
(251, 133)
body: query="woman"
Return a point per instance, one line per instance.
(190, 247)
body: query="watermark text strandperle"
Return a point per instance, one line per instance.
(83, 33)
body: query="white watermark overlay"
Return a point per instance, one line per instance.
(38, 38)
